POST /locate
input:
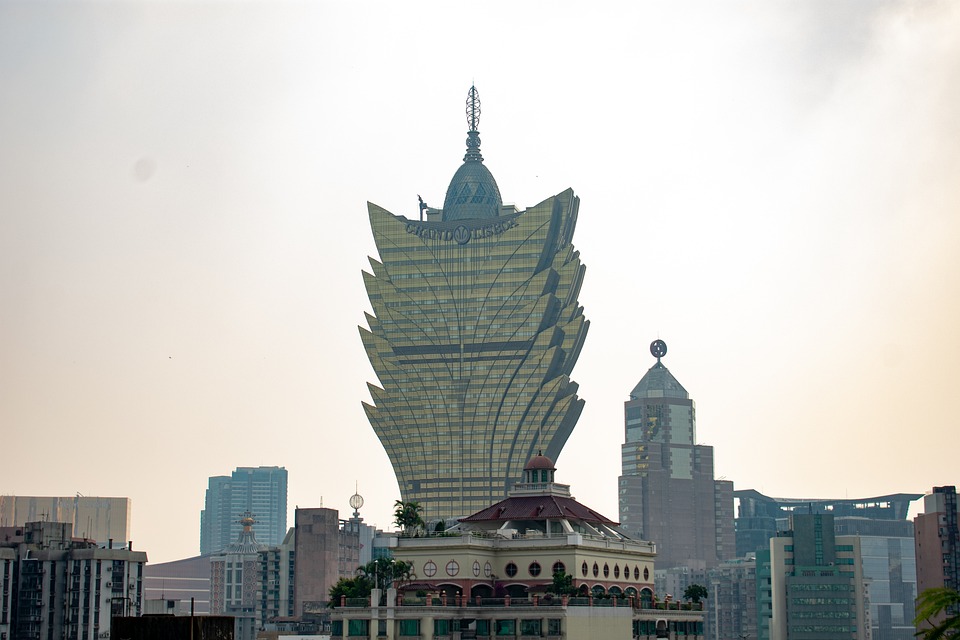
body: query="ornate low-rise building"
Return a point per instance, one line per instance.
(494, 575)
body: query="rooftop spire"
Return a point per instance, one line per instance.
(473, 193)
(473, 120)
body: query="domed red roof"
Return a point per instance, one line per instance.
(540, 461)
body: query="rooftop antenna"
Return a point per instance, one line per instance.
(473, 120)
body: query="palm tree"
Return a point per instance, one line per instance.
(937, 611)
(408, 515)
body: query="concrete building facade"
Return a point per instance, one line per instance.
(817, 589)
(101, 519)
(475, 331)
(58, 586)
(667, 490)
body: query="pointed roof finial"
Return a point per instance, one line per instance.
(473, 121)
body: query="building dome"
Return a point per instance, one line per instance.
(246, 543)
(540, 461)
(473, 193)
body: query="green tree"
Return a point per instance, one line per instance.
(695, 593)
(562, 584)
(937, 611)
(358, 587)
(384, 572)
(408, 515)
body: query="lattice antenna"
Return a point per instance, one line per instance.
(473, 121)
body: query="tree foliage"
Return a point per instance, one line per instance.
(937, 612)
(562, 584)
(358, 587)
(695, 592)
(384, 572)
(408, 515)
(381, 573)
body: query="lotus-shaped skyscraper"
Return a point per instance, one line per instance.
(475, 331)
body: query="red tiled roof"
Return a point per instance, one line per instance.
(538, 508)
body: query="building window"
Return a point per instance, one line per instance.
(409, 627)
(453, 568)
(646, 574)
(511, 569)
(596, 570)
(430, 569)
(487, 569)
(530, 627)
(616, 571)
(583, 569)
(476, 568)
(506, 627)
(359, 628)
(606, 570)
(534, 568)
(559, 567)
(553, 627)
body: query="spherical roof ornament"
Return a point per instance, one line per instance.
(658, 349)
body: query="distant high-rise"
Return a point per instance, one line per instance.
(667, 490)
(817, 583)
(475, 331)
(261, 491)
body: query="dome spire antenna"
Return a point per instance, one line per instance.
(473, 121)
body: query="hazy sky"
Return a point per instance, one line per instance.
(770, 187)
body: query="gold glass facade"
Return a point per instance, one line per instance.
(475, 330)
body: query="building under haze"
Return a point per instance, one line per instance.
(93, 517)
(261, 491)
(816, 587)
(475, 331)
(667, 490)
(937, 540)
(58, 586)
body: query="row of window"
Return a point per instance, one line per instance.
(616, 571)
(443, 627)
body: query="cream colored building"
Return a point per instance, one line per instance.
(92, 517)
(489, 576)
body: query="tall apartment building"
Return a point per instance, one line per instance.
(96, 518)
(58, 586)
(937, 541)
(667, 489)
(261, 491)
(817, 585)
(474, 334)
(277, 576)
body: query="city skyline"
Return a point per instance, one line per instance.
(769, 189)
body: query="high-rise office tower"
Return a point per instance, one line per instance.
(474, 333)
(816, 585)
(667, 490)
(261, 491)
